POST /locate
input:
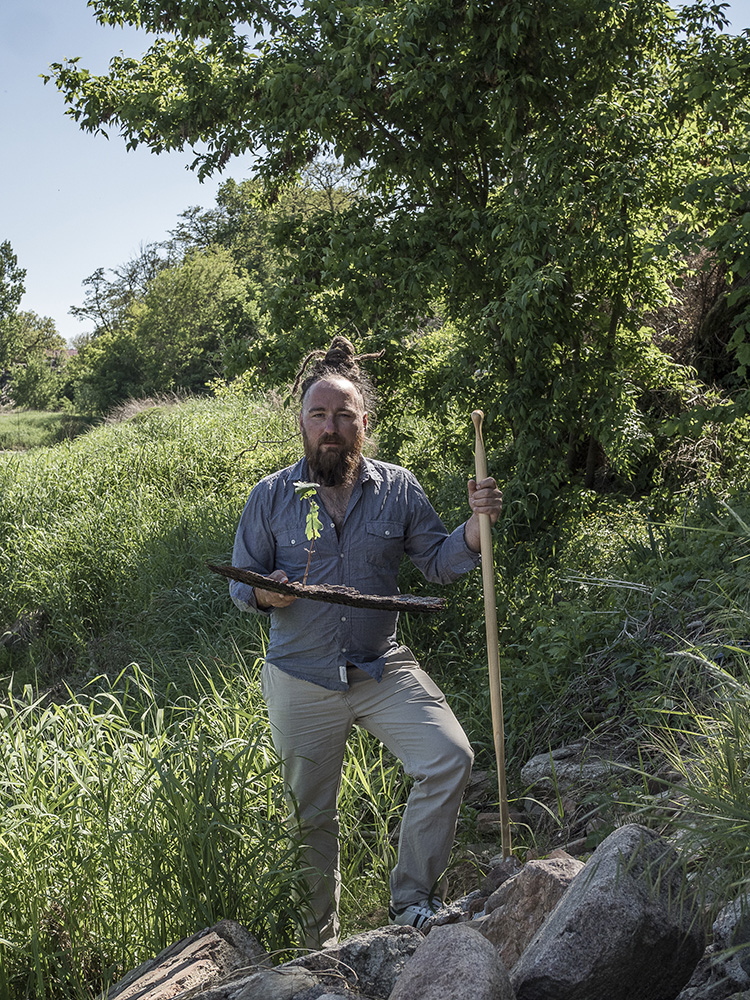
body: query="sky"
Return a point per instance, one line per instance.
(71, 202)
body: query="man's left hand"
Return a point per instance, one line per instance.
(484, 498)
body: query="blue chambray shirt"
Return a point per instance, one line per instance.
(388, 516)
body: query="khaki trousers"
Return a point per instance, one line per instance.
(408, 713)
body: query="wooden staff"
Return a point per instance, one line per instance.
(493, 646)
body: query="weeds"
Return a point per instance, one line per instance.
(140, 805)
(131, 821)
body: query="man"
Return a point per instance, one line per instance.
(331, 666)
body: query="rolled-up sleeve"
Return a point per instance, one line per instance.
(441, 557)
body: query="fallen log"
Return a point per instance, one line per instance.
(334, 594)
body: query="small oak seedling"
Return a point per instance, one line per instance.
(313, 526)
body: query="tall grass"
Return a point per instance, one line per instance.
(130, 820)
(141, 804)
(109, 535)
(707, 742)
(24, 429)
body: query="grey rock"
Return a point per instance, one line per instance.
(732, 930)
(520, 906)
(324, 993)
(369, 962)
(453, 912)
(627, 928)
(454, 963)
(723, 972)
(195, 963)
(501, 869)
(267, 984)
(565, 767)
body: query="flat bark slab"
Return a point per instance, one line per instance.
(333, 594)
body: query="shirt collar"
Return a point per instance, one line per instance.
(370, 471)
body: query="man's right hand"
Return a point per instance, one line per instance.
(268, 599)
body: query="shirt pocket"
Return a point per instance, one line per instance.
(385, 543)
(291, 552)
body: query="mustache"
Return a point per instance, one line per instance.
(330, 439)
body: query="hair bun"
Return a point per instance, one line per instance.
(341, 352)
(339, 361)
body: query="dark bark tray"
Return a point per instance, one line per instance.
(334, 594)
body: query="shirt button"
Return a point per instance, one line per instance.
(343, 618)
(333, 525)
(294, 541)
(387, 532)
(341, 556)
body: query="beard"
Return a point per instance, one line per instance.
(333, 466)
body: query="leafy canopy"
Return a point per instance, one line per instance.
(540, 170)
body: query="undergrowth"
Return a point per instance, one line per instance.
(614, 616)
(21, 430)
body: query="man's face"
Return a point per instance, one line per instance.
(333, 424)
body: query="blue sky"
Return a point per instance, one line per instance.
(73, 202)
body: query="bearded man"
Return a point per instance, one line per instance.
(329, 667)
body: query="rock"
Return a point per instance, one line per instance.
(559, 784)
(266, 984)
(501, 869)
(724, 972)
(196, 962)
(732, 930)
(454, 963)
(478, 788)
(326, 993)
(369, 962)
(459, 909)
(627, 928)
(566, 767)
(714, 980)
(518, 908)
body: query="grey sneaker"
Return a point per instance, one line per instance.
(416, 915)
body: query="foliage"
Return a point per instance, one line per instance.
(313, 526)
(108, 299)
(115, 528)
(22, 430)
(11, 281)
(607, 620)
(131, 820)
(36, 369)
(192, 323)
(541, 173)
(707, 751)
(31, 350)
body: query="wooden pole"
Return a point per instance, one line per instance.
(493, 646)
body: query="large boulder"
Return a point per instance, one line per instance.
(567, 767)
(627, 928)
(264, 984)
(519, 907)
(455, 963)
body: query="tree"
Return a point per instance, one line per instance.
(11, 293)
(36, 366)
(108, 299)
(11, 281)
(539, 169)
(193, 323)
